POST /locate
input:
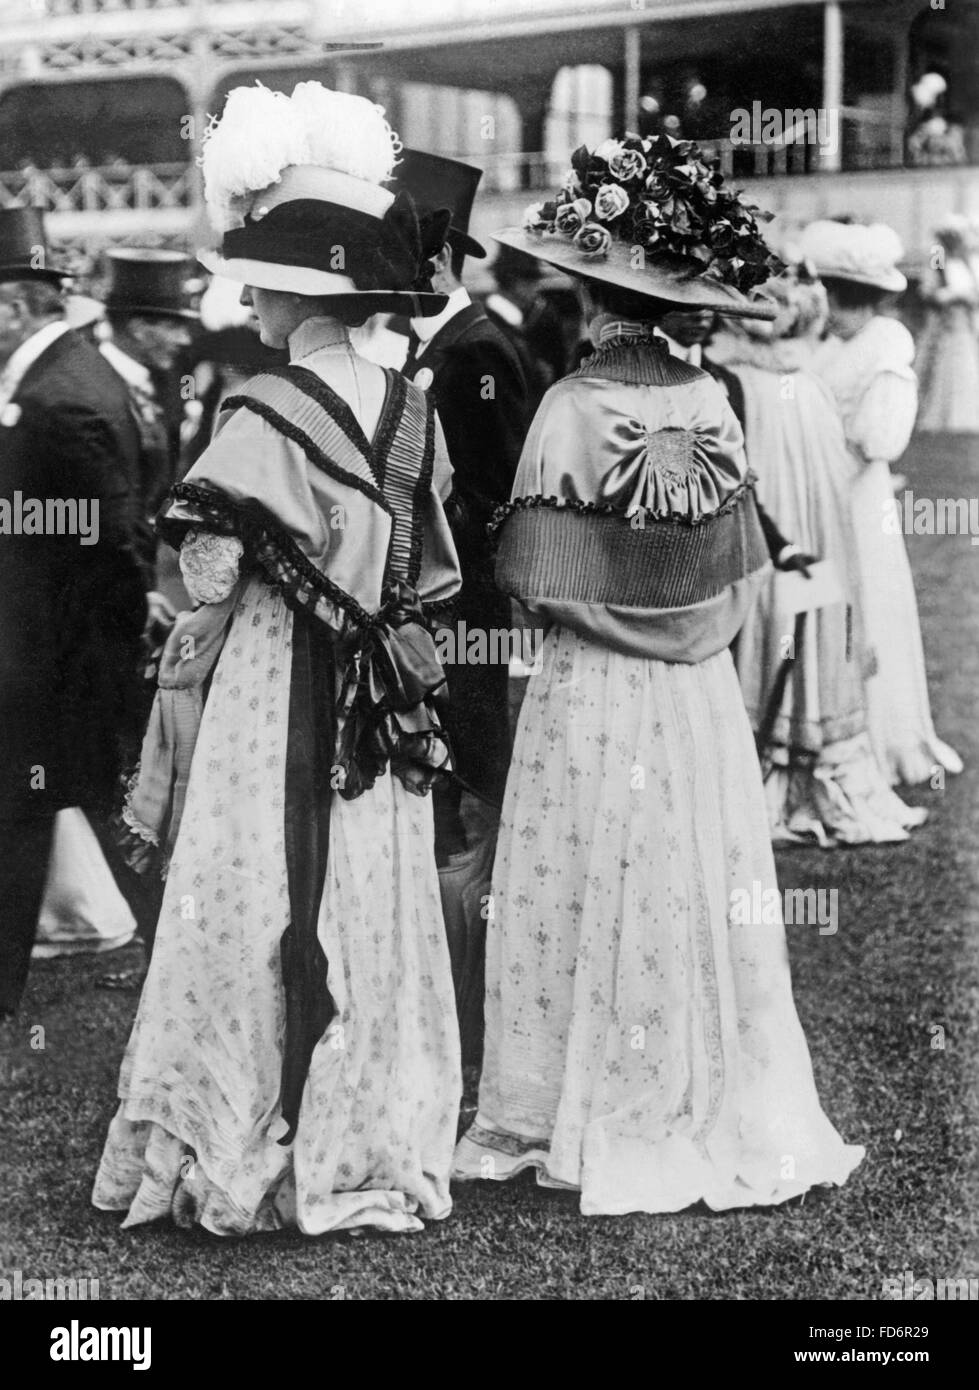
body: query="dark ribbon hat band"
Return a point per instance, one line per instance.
(388, 253)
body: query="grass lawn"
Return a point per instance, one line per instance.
(903, 961)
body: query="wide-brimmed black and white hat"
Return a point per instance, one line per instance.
(296, 186)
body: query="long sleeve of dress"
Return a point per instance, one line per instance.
(881, 427)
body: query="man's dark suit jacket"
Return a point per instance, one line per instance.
(480, 393)
(71, 615)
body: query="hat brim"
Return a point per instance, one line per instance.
(659, 278)
(152, 311)
(892, 280)
(29, 272)
(462, 241)
(300, 279)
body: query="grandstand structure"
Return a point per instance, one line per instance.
(103, 102)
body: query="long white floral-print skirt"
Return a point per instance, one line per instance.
(195, 1135)
(642, 1043)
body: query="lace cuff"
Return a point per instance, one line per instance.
(209, 565)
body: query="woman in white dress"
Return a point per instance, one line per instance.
(948, 354)
(294, 1059)
(822, 781)
(866, 363)
(642, 1045)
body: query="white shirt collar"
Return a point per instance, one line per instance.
(505, 309)
(132, 372)
(23, 358)
(692, 354)
(426, 329)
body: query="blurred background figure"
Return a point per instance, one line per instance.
(935, 139)
(948, 353)
(519, 308)
(806, 704)
(150, 312)
(866, 363)
(71, 614)
(686, 333)
(223, 355)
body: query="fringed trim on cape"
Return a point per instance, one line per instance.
(519, 504)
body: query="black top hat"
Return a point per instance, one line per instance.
(23, 246)
(436, 182)
(157, 283)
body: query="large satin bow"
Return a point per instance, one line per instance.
(389, 693)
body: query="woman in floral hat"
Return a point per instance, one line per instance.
(295, 1056)
(642, 1046)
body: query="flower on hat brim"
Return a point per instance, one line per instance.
(658, 194)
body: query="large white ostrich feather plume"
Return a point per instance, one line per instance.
(262, 132)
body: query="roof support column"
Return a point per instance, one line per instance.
(631, 78)
(830, 154)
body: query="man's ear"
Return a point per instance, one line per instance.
(18, 307)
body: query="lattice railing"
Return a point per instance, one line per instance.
(71, 7)
(110, 188)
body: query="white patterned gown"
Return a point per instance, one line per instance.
(196, 1132)
(641, 1045)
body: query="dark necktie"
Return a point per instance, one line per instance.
(411, 361)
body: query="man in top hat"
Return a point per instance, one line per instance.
(72, 602)
(481, 394)
(149, 307)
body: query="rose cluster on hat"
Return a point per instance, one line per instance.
(652, 214)
(296, 186)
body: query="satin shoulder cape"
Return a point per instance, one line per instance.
(633, 518)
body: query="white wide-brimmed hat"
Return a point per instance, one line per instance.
(296, 186)
(852, 251)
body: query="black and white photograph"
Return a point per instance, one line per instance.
(489, 640)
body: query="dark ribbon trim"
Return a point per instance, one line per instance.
(304, 380)
(312, 450)
(380, 254)
(310, 1007)
(388, 687)
(388, 674)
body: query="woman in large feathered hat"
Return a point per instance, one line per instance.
(642, 1045)
(295, 1055)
